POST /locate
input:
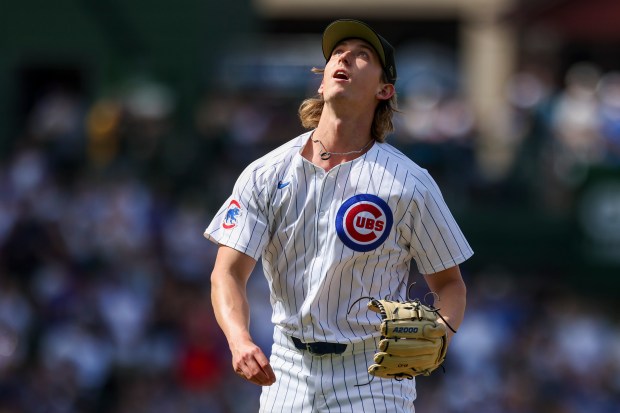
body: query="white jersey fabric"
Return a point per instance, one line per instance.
(330, 238)
(332, 383)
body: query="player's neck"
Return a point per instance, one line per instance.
(329, 147)
(343, 134)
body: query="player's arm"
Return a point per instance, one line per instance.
(451, 295)
(228, 295)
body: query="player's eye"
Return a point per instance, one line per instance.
(364, 54)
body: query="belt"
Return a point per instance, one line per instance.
(319, 348)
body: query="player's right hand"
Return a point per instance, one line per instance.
(250, 362)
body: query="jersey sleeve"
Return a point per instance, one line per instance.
(241, 221)
(437, 242)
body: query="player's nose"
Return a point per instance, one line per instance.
(344, 57)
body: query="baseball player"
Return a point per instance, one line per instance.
(336, 215)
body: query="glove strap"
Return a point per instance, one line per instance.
(436, 311)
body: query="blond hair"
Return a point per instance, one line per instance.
(311, 109)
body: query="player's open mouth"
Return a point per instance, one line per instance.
(341, 74)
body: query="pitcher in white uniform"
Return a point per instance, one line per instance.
(335, 214)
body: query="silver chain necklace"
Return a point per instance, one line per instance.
(325, 154)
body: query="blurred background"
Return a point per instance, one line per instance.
(123, 126)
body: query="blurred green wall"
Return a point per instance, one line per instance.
(99, 42)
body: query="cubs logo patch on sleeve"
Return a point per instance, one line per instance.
(363, 222)
(233, 212)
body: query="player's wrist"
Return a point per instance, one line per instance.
(238, 338)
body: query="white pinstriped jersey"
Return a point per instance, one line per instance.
(329, 238)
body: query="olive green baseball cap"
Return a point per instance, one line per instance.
(343, 29)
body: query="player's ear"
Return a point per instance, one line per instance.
(321, 88)
(386, 91)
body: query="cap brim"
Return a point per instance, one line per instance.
(350, 29)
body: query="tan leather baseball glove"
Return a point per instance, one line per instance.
(413, 342)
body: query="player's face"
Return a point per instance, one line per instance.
(354, 73)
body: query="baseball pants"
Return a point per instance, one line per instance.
(307, 383)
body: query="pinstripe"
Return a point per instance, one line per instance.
(389, 196)
(305, 232)
(322, 286)
(274, 393)
(331, 361)
(425, 255)
(322, 361)
(297, 254)
(309, 384)
(375, 163)
(426, 230)
(344, 378)
(386, 162)
(342, 261)
(365, 293)
(310, 391)
(314, 276)
(281, 280)
(359, 388)
(445, 220)
(449, 220)
(366, 315)
(287, 386)
(420, 241)
(327, 285)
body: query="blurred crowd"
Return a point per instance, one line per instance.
(560, 131)
(564, 134)
(534, 346)
(104, 292)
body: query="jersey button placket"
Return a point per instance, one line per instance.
(323, 208)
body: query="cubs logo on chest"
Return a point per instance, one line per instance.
(363, 222)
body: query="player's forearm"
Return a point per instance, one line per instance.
(451, 303)
(451, 295)
(230, 305)
(228, 293)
